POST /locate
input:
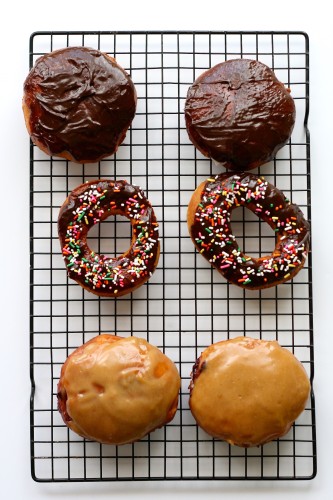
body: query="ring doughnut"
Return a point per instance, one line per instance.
(209, 223)
(91, 203)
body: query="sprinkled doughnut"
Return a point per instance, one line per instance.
(209, 223)
(91, 203)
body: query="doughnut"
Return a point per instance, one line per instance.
(91, 203)
(116, 390)
(239, 114)
(209, 224)
(78, 104)
(247, 391)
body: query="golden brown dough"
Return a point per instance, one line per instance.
(247, 391)
(116, 390)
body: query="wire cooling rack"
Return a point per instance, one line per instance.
(186, 305)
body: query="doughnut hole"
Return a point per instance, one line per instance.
(254, 236)
(111, 237)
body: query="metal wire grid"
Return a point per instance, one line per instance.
(186, 305)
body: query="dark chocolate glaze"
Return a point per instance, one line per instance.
(211, 230)
(91, 203)
(239, 114)
(81, 102)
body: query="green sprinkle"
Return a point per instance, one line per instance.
(82, 214)
(70, 264)
(208, 230)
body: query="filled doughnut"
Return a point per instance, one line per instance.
(116, 390)
(239, 114)
(209, 224)
(91, 203)
(78, 104)
(246, 391)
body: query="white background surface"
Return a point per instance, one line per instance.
(19, 21)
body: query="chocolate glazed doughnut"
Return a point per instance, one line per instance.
(209, 223)
(239, 114)
(78, 104)
(91, 203)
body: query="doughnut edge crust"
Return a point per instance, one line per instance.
(209, 225)
(91, 203)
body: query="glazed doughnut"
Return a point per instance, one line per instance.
(116, 390)
(239, 114)
(91, 203)
(247, 391)
(209, 224)
(78, 104)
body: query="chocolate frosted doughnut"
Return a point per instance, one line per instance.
(247, 391)
(78, 104)
(91, 203)
(239, 114)
(209, 223)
